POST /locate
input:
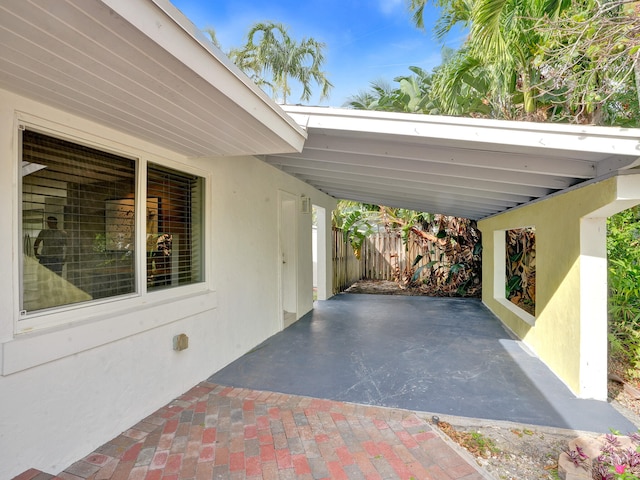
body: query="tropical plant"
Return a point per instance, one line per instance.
(380, 96)
(464, 87)
(357, 221)
(273, 59)
(412, 95)
(623, 242)
(416, 91)
(590, 59)
(618, 457)
(497, 57)
(449, 262)
(559, 60)
(520, 275)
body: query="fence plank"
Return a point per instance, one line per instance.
(383, 257)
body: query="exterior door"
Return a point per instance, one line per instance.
(287, 257)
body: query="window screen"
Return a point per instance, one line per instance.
(78, 218)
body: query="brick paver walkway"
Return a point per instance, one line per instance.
(216, 432)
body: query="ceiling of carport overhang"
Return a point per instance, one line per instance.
(142, 68)
(470, 168)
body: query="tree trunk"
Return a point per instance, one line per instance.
(636, 70)
(527, 92)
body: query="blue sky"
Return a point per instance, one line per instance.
(366, 40)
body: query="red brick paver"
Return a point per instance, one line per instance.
(215, 432)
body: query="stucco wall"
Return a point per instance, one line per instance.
(569, 329)
(245, 248)
(68, 388)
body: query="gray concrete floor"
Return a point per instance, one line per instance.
(447, 356)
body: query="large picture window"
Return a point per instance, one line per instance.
(80, 209)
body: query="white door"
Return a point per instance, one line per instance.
(288, 257)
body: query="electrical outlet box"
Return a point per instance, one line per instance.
(180, 342)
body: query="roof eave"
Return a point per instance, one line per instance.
(246, 94)
(142, 68)
(490, 132)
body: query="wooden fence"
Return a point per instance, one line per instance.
(347, 269)
(383, 257)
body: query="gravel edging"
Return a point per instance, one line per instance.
(524, 451)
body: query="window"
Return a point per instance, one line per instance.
(174, 228)
(80, 210)
(520, 272)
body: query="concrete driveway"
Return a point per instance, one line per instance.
(438, 355)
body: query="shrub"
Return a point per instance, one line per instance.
(623, 240)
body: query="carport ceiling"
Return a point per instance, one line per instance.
(465, 167)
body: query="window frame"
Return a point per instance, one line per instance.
(500, 276)
(94, 311)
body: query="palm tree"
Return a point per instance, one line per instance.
(466, 87)
(363, 100)
(272, 58)
(502, 40)
(380, 96)
(413, 95)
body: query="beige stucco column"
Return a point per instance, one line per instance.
(569, 329)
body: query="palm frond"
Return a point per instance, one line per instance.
(487, 34)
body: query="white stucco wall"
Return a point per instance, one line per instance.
(245, 248)
(66, 389)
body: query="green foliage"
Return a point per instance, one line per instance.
(493, 74)
(623, 240)
(514, 284)
(450, 262)
(357, 221)
(541, 60)
(418, 271)
(450, 259)
(464, 87)
(413, 95)
(356, 229)
(214, 38)
(272, 58)
(520, 275)
(623, 235)
(104, 257)
(622, 108)
(589, 54)
(484, 443)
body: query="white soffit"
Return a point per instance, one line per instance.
(141, 67)
(465, 167)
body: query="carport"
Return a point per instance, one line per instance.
(136, 79)
(445, 356)
(562, 180)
